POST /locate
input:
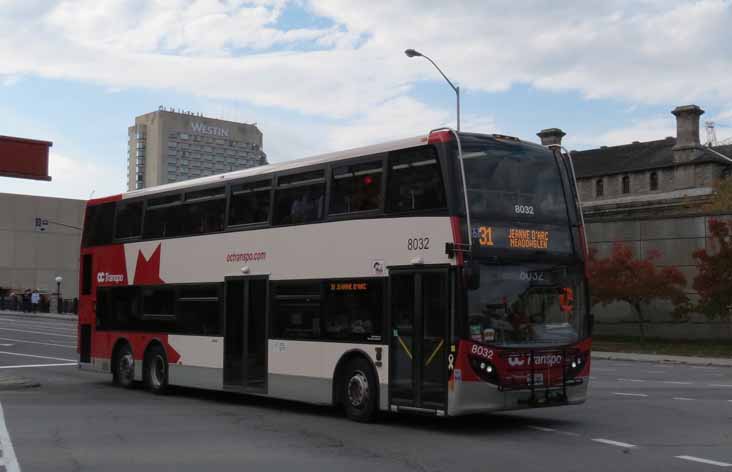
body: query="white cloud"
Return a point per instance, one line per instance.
(72, 177)
(654, 51)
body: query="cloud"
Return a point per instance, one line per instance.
(646, 129)
(654, 51)
(72, 177)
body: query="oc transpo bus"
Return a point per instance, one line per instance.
(442, 274)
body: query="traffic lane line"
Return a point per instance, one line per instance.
(25, 341)
(7, 353)
(27, 324)
(9, 460)
(45, 333)
(623, 394)
(704, 461)
(28, 366)
(614, 443)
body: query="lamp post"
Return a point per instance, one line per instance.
(415, 53)
(59, 279)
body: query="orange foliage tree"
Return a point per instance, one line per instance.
(714, 280)
(623, 277)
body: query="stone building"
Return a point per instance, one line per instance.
(650, 196)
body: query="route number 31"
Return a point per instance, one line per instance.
(486, 236)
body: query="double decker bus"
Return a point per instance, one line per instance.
(442, 274)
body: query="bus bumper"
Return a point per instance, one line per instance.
(482, 397)
(96, 365)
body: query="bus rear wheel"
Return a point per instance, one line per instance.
(360, 391)
(124, 367)
(156, 370)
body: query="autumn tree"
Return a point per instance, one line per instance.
(623, 277)
(722, 199)
(714, 280)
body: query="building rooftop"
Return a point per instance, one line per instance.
(639, 156)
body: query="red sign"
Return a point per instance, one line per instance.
(24, 158)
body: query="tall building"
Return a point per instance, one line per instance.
(170, 146)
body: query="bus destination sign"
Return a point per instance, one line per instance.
(546, 238)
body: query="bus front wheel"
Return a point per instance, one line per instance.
(360, 391)
(156, 370)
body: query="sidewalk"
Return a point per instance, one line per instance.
(51, 316)
(662, 358)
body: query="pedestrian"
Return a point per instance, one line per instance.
(35, 300)
(25, 301)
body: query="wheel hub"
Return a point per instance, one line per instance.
(127, 366)
(157, 373)
(358, 389)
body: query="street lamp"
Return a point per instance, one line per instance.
(59, 279)
(414, 53)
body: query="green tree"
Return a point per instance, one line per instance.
(714, 280)
(623, 277)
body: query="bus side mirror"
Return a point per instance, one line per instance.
(471, 275)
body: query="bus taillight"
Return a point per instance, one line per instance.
(444, 136)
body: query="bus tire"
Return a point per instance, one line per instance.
(359, 390)
(156, 370)
(123, 372)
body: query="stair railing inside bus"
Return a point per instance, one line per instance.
(467, 249)
(566, 156)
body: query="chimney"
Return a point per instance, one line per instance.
(688, 146)
(551, 136)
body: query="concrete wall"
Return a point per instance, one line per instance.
(33, 259)
(675, 238)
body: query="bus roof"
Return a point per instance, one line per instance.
(281, 166)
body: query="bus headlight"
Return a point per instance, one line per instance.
(484, 369)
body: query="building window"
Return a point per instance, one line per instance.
(599, 188)
(626, 184)
(654, 180)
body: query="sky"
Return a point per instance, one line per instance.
(324, 75)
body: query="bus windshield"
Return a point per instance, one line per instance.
(521, 305)
(512, 181)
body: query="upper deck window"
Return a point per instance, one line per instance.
(356, 187)
(99, 224)
(299, 198)
(415, 180)
(129, 220)
(249, 203)
(513, 181)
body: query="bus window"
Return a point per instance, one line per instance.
(198, 310)
(296, 310)
(415, 181)
(354, 309)
(129, 220)
(299, 198)
(99, 224)
(249, 203)
(200, 217)
(356, 187)
(118, 308)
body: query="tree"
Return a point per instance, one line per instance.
(722, 199)
(622, 277)
(714, 280)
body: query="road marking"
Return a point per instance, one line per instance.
(683, 398)
(37, 342)
(7, 345)
(720, 385)
(630, 394)
(631, 380)
(8, 458)
(704, 461)
(38, 332)
(36, 365)
(61, 323)
(38, 357)
(654, 372)
(671, 382)
(40, 326)
(542, 428)
(703, 367)
(614, 443)
(603, 369)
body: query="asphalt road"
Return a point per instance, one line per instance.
(640, 416)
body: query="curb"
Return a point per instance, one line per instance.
(663, 359)
(42, 316)
(13, 382)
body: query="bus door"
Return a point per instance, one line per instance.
(419, 339)
(245, 333)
